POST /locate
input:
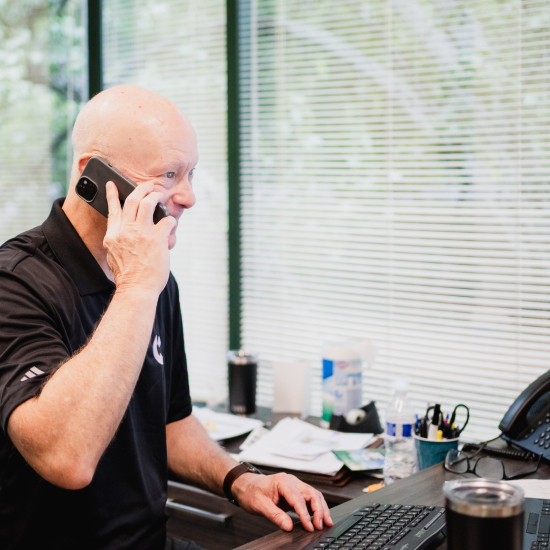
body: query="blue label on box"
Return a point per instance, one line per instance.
(328, 367)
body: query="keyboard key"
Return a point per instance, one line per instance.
(544, 527)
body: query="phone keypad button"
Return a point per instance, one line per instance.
(542, 443)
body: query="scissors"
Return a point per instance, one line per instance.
(458, 431)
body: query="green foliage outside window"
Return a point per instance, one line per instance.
(42, 85)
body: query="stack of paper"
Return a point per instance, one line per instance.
(224, 426)
(296, 445)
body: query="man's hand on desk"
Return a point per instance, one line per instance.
(270, 496)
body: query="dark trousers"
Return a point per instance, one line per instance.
(174, 544)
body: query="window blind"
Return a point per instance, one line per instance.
(177, 48)
(395, 187)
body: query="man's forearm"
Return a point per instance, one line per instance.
(193, 456)
(63, 432)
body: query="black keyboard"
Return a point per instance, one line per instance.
(385, 527)
(537, 523)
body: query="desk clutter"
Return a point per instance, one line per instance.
(297, 445)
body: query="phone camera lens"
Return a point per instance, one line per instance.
(86, 189)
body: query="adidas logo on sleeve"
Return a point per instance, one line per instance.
(32, 373)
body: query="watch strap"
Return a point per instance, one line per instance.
(233, 474)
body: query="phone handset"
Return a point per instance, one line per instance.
(530, 402)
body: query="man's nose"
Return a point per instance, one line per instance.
(185, 195)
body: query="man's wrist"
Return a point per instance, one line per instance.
(235, 479)
(138, 294)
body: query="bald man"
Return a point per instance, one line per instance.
(94, 395)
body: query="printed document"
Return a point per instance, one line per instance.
(297, 445)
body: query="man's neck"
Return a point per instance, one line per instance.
(90, 226)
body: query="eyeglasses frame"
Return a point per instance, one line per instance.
(473, 471)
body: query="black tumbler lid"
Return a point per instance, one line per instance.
(241, 357)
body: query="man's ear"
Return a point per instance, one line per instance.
(83, 160)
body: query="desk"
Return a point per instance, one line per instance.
(422, 488)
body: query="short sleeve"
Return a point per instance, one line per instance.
(180, 400)
(31, 348)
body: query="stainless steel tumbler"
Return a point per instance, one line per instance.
(242, 374)
(483, 513)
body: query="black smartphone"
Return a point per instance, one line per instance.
(92, 182)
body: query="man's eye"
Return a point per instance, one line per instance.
(191, 173)
(170, 175)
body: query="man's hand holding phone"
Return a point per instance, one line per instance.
(137, 249)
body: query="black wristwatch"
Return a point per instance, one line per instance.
(233, 474)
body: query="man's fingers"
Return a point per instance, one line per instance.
(276, 515)
(131, 204)
(318, 505)
(289, 491)
(327, 518)
(147, 205)
(167, 224)
(316, 501)
(113, 202)
(321, 512)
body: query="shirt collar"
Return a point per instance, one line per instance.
(73, 254)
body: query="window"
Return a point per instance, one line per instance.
(395, 187)
(177, 48)
(42, 86)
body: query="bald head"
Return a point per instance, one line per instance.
(123, 123)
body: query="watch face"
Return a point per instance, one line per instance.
(251, 467)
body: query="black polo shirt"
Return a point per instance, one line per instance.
(52, 295)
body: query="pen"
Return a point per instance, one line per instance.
(424, 427)
(434, 426)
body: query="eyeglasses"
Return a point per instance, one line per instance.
(458, 462)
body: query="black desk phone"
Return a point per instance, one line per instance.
(527, 422)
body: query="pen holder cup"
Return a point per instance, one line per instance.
(430, 452)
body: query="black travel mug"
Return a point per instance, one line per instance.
(482, 513)
(242, 375)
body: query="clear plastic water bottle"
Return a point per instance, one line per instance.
(400, 459)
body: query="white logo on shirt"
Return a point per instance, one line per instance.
(32, 373)
(156, 350)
